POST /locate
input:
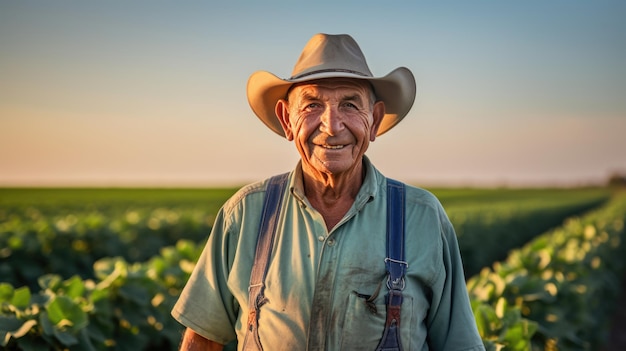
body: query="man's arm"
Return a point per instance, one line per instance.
(194, 342)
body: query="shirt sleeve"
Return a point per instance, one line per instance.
(451, 322)
(206, 305)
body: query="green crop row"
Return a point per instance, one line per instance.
(32, 244)
(513, 223)
(563, 285)
(42, 231)
(126, 307)
(64, 231)
(118, 304)
(554, 292)
(114, 201)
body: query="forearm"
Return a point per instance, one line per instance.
(194, 342)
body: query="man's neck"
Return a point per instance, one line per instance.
(333, 195)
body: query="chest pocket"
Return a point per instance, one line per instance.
(364, 323)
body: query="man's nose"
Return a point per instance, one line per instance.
(331, 121)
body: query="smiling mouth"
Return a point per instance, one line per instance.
(333, 147)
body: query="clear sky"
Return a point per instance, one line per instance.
(152, 93)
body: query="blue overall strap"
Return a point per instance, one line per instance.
(396, 265)
(265, 239)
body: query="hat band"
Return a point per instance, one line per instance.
(327, 71)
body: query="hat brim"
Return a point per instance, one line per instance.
(397, 90)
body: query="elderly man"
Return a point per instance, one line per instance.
(333, 255)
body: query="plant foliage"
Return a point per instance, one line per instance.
(98, 279)
(565, 281)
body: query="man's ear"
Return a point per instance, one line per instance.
(282, 112)
(378, 112)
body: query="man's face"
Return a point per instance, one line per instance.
(332, 122)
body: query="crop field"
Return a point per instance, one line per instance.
(100, 269)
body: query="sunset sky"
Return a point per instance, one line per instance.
(152, 93)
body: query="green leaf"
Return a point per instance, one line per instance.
(74, 287)
(486, 320)
(514, 333)
(7, 325)
(46, 324)
(21, 297)
(66, 338)
(49, 281)
(110, 271)
(100, 293)
(6, 292)
(63, 309)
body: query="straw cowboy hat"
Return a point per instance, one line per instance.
(332, 56)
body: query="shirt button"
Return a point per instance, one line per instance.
(321, 238)
(331, 242)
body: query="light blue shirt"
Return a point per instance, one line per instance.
(318, 281)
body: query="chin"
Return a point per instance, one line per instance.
(336, 169)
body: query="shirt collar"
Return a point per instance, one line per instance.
(368, 191)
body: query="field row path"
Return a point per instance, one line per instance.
(617, 338)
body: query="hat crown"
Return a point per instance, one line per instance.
(331, 53)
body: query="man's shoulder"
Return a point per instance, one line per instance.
(420, 196)
(252, 192)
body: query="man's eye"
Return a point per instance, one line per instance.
(350, 105)
(312, 105)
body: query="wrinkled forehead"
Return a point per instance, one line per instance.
(360, 86)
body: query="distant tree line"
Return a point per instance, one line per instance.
(617, 179)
